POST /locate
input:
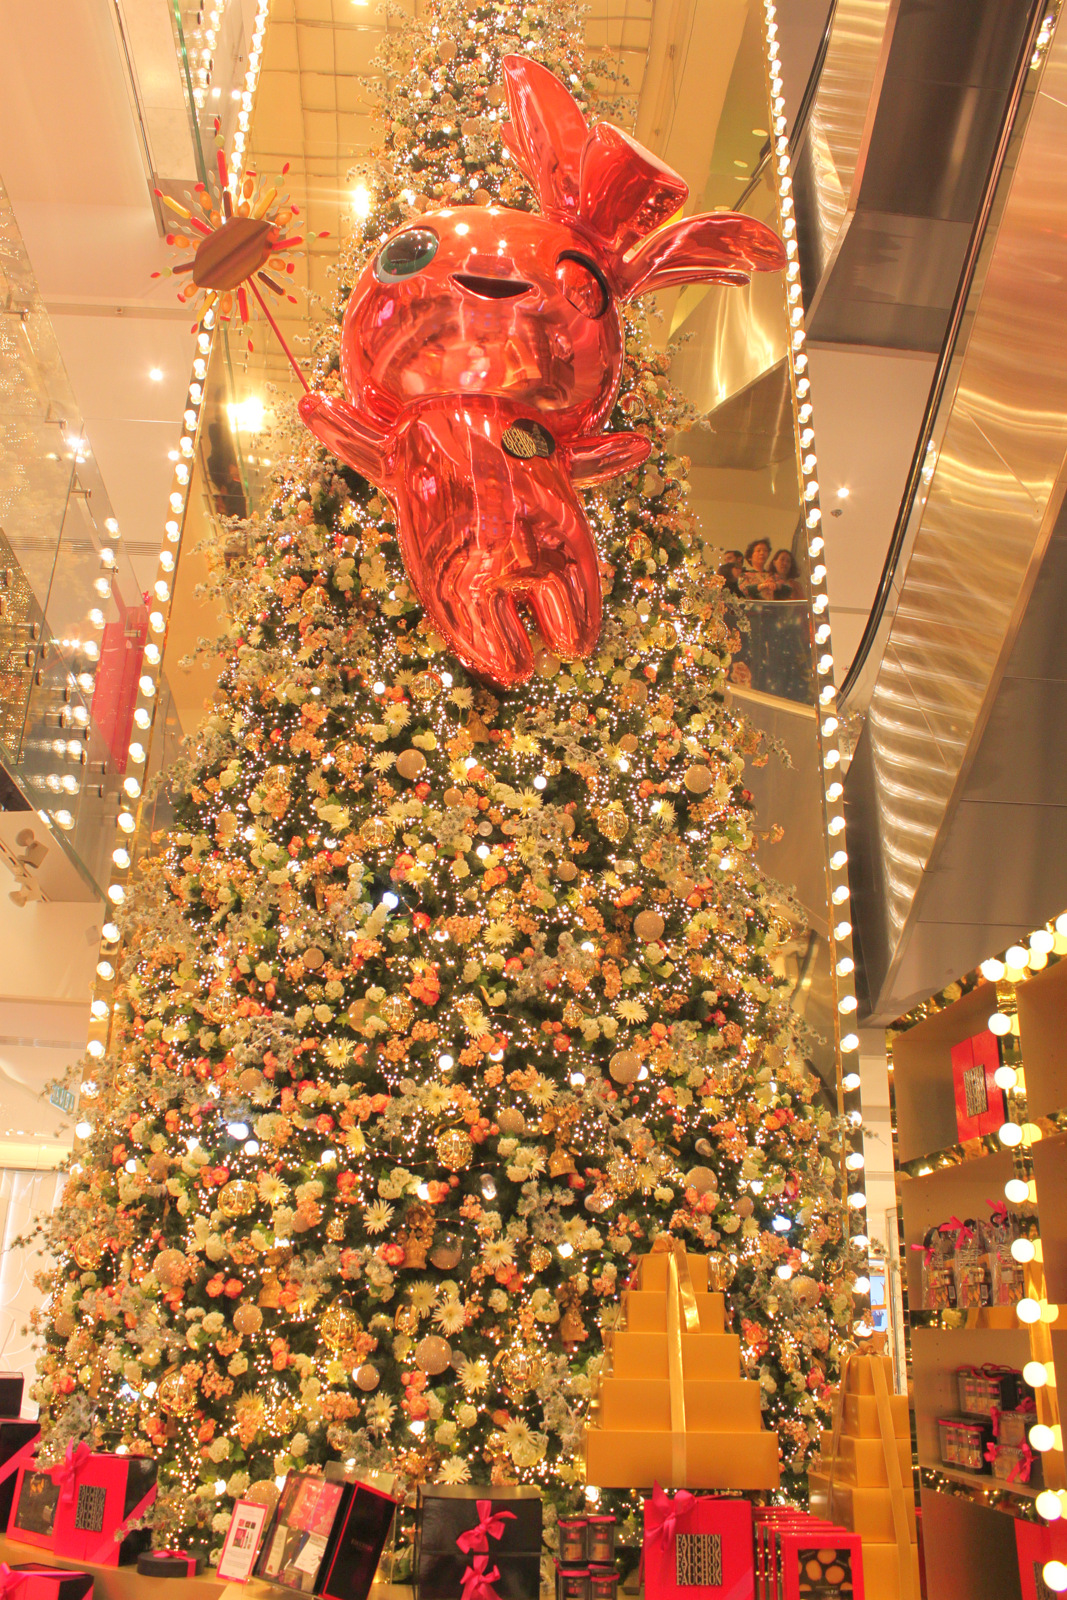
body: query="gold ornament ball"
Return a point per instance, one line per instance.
(446, 1253)
(629, 743)
(547, 665)
(699, 779)
(805, 1292)
(702, 1179)
(237, 1198)
(251, 1079)
(176, 1393)
(521, 1369)
(264, 1493)
(409, 763)
(625, 1066)
(248, 1319)
(340, 1328)
(511, 1122)
(567, 871)
(721, 1273)
(335, 1229)
(397, 1010)
(622, 1174)
(88, 1251)
(649, 926)
(614, 825)
(433, 1354)
(313, 958)
(454, 1149)
(376, 832)
(367, 1377)
(453, 797)
(158, 1167)
(540, 1257)
(169, 1267)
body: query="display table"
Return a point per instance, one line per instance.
(126, 1583)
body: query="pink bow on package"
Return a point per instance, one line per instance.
(674, 1510)
(478, 1580)
(67, 1472)
(490, 1525)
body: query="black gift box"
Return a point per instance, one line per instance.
(11, 1384)
(169, 1564)
(14, 1437)
(326, 1537)
(446, 1512)
(52, 1583)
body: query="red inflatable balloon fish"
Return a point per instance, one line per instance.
(481, 352)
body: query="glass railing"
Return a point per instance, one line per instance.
(73, 620)
(774, 655)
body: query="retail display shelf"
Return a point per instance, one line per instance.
(980, 1150)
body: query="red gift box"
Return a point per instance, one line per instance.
(770, 1521)
(1036, 1543)
(819, 1563)
(33, 1582)
(18, 1441)
(979, 1103)
(82, 1506)
(698, 1546)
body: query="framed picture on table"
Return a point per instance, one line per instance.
(242, 1541)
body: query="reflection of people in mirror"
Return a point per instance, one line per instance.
(786, 574)
(756, 581)
(731, 571)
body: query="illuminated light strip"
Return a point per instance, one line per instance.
(841, 953)
(161, 594)
(1018, 1134)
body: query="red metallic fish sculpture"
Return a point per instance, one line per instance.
(481, 353)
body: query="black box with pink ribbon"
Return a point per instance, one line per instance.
(478, 1543)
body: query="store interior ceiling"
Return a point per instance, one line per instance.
(91, 118)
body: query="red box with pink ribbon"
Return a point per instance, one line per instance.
(478, 1543)
(86, 1506)
(698, 1547)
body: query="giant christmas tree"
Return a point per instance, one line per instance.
(438, 1005)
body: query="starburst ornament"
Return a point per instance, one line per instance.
(236, 232)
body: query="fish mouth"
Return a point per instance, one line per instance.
(491, 288)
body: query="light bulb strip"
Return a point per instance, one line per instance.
(846, 1040)
(130, 817)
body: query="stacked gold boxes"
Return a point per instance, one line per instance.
(674, 1408)
(850, 1484)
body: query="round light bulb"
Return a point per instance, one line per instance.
(1028, 1310)
(992, 969)
(999, 1024)
(1054, 1574)
(1005, 1077)
(1036, 1376)
(1041, 1438)
(1048, 1505)
(1011, 1135)
(1022, 1250)
(1017, 1190)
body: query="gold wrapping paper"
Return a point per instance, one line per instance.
(901, 1523)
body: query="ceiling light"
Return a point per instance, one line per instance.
(843, 493)
(156, 374)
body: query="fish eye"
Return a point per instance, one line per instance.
(405, 255)
(582, 283)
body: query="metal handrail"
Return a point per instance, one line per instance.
(947, 352)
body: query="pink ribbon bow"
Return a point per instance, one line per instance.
(927, 1250)
(477, 1582)
(673, 1510)
(960, 1229)
(490, 1525)
(67, 1472)
(999, 1210)
(1021, 1469)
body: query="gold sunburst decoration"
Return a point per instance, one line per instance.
(241, 235)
